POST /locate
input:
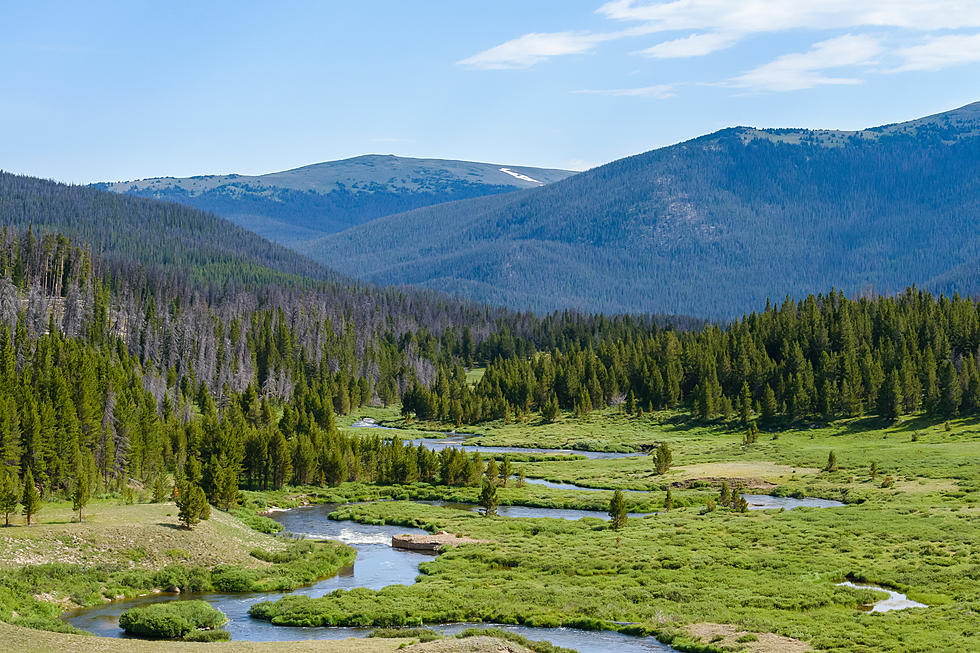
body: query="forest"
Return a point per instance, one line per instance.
(820, 358)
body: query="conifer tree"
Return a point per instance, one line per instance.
(831, 462)
(9, 495)
(668, 501)
(159, 489)
(662, 458)
(890, 398)
(745, 403)
(488, 497)
(506, 470)
(492, 471)
(769, 405)
(950, 392)
(617, 511)
(80, 493)
(725, 497)
(31, 498)
(521, 482)
(192, 505)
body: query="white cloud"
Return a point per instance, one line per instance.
(940, 52)
(659, 91)
(530, 49)
(802, 70)
(754, 16)
(695, 45)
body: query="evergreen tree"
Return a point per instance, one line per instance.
(725, 497)
(668, 501)
(159, 489)
(769, 406)
(192, 505)
(227, 492)
(745, 403)
(506, 470)
(9, 496)
(630, 403)
(662, 458)
(890, 397)
(617, 511)
(521, 482)
(31, 498)
(80, 493)
(488, 497)
(831, 465)
(492, 471)
(950, 391)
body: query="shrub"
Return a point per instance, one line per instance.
(171, 619)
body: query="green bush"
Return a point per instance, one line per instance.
(171, 619)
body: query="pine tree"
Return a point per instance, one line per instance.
(192, 505)
(159, 489)
(769, 406)
(890, 397)
(520, 477)
(488, 497)
(725, 497)
(745, 403)
(80, 493)
(617, 511)
(31, 499)
(662, 458)
(9, 495)
(831, 462)
(950, 391)
(227, 492)
(668, 501)
(630, 403)
(506, 470)
(492, 471)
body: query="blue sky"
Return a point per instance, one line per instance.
(109, 91)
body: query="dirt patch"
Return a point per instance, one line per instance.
(430, 542)
(753, 475)
(728, 635)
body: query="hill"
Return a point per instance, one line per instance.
(155, 234)
(314, 200)
(712, 227)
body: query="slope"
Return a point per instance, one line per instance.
(711, 227)
(151, 233)
(314, 200)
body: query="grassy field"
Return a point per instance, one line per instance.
(703, 580)
(697, 576)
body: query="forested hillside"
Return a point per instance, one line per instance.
(305, 203)
(818, 359)
(160, 235)
(713, 227)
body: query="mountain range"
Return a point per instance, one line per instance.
(297, 205)
(712, 227)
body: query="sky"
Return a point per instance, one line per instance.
(108, 91)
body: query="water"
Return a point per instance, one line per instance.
(459, 440)
(377, 565)
(895, 600)
(532, 512)
(755, 501)
(769, 502)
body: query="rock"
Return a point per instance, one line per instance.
(430, 542)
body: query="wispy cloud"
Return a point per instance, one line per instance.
(802, 70)
(659, 91)
(530, 49)
(695, 45)
(940, 52)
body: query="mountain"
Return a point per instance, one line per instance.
(323, 198)
(713, 227)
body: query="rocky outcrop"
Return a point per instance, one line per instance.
(431, 543)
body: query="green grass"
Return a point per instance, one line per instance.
(766, 572)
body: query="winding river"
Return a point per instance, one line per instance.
(377, 565)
